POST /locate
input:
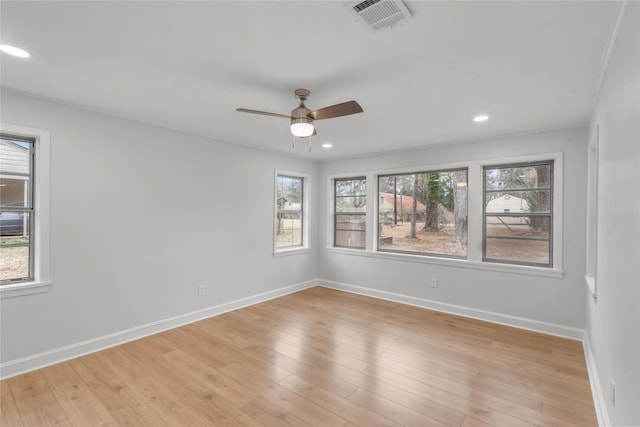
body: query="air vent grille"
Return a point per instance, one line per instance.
(378, 14)
(365, 4)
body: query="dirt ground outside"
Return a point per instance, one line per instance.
(14, 262)
(441, 242)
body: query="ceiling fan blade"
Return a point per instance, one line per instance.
(264, 113)
(338, 110)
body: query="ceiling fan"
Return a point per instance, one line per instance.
(302, 118)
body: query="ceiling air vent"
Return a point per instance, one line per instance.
(378, 14)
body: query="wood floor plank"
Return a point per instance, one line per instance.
(515, 410)
(76, 399)
(304, 409)
(37, 404)
(270, 414)
(460, 388)
(123, 404)
(334, 402)
(392, 410)
(317, 357)
(9, 414)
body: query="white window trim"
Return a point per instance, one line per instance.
(475, 179)
(41, 281)
(592, 216)
(306, 192)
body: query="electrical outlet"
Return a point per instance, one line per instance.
(201, 290)
(434, 283)
(613, 393)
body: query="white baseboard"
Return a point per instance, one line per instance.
(61, 354)
(599, 400)
(503, 319)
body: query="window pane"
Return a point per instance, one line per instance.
(14, 192)
(515, 202)
(518, 250)
(351, 204)
(14, 245)
(289, 193)
(14, 262)
(531, 227)
(423, 213)
(516, 178)
(13, 225)
(351, 231)
(15, 168)
(351, 187)
(289, 231)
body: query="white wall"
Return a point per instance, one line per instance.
(140, 216)
(542, 302)
(613, 320)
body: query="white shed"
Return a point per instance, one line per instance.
(507, 204)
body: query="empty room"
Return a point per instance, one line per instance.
(320, 213)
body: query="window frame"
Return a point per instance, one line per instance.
(416, 172)
(40, 256)
(474, 216)
(549, 215)
(304, 214)
(335, 212)
(29, 209)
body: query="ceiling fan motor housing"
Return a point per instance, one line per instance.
(301, 122)
(301, 114)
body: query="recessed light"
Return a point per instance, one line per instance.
(15, 51)
(327, 145)
(481, 118)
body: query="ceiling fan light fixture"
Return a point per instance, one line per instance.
(302, 127)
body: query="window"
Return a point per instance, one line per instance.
(518, 216)
(350, 212)
(24, 193)
(290, 227)
(423, 213)
(17, 210)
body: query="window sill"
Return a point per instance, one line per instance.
(291, 251)
(452, 262)
(23, 289)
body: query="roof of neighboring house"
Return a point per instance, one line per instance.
(404, 202)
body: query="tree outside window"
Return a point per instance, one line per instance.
(424, 213)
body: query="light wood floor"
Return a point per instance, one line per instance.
(316, 358)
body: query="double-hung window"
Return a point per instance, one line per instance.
(518, 214)
(350, 212)
(291, 211)
(17, 209)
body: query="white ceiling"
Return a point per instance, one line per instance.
(530, 65)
